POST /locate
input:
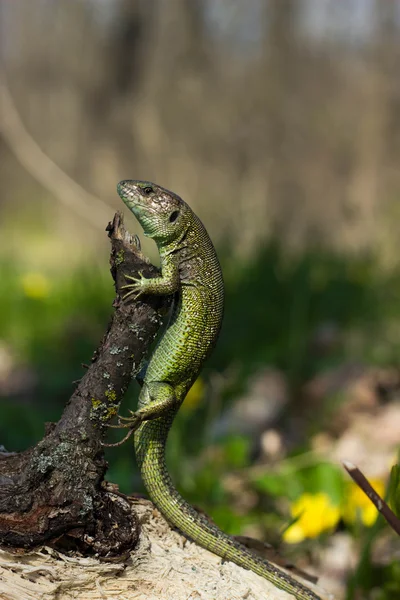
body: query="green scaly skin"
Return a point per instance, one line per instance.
(190, 268)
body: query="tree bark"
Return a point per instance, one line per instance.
(57, 486)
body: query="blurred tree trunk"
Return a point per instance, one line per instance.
(177, 72)
(282, 64)
(378, 140)
(127, 46)
(387, 56)
(111, 101)
(178, 39)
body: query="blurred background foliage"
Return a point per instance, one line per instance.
(278, 121)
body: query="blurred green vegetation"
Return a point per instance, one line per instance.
(276, 304)
(51, 322)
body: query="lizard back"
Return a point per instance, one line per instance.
(197, 311)
(191, 270)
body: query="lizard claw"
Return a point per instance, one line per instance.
(132, 423)
(128, 435)
(126, 418)
(140, 273)
(129, 421)
(135, 287)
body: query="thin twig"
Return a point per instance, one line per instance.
(363, 483)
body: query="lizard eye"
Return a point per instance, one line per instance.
(147, 190)
(173, 216)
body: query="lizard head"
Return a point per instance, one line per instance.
(160, 212)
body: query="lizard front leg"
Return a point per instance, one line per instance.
(168, 283)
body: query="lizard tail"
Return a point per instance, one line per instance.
(150, 441)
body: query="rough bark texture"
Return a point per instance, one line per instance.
(57, 486)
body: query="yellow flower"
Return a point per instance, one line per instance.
(358, 506)
(315, 514)
(35, 285)
(194, 395)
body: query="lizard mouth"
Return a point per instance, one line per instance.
(123, 189)
(145, 207)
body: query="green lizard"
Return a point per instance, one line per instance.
(190, 270)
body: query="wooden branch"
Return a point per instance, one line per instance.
(58, 485)
(363, 483)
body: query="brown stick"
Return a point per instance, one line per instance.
(363, 483)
